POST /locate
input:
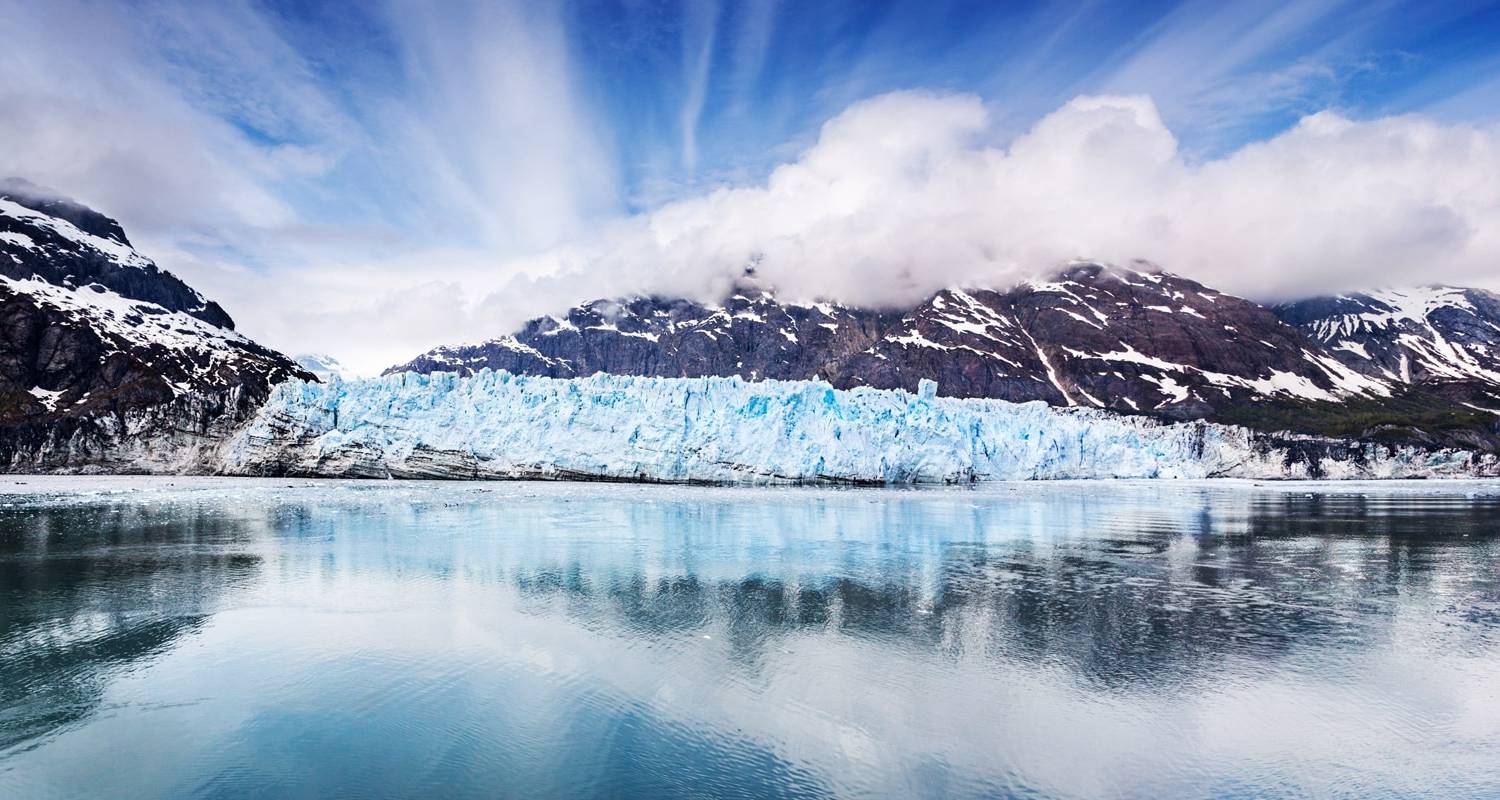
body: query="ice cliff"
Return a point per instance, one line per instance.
(725, 430)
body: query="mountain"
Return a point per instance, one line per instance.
(103, 355)
(1127, 339)
(749, 334)
(324, 367)
(1433, 336)
(1133, 339)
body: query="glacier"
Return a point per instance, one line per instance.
(730, 431)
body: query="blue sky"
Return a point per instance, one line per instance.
(415, 144)
(684, 95)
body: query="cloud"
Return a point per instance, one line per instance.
(697, 58)
(94, 114)
(905, 194)
(490, 133)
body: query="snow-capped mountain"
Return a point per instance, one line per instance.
(1420, 335)
(1131, 339)
(111, 363)
(749, 334)
(102, 349)
(1127, 339)
(324, 367)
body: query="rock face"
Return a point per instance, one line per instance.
(60, 242)
(1126, 339)
(106, 361)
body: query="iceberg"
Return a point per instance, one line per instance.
(730, 431)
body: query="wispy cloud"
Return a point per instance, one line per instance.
(490, 123)
(699, 24)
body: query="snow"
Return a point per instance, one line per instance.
(1407, 313)
(1345, 380)
(1081, 318)
(118, 252)
(47, 396)
(1289, 383)
(137, 321)
(18, 239)
(726, 430)
(1353, 347)
(1170, 388)
(1066, 290)
(650, 337)
(1047, 365)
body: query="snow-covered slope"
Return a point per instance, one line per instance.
(751, 334)
(1132, 339)
(103, 353)
(58, 241)
(726, 430)
(1427, 334)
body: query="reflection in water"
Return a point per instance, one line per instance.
(86, 591)
(218, 638)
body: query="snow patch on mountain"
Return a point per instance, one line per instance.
(118, 252)
(1408, 335)
(200, 350)
(325, 367)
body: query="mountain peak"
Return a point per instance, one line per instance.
(65, 244)
(51, 203)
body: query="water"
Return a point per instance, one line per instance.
(236, 638)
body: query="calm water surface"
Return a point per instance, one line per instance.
(219, 638)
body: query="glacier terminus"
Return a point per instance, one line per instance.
(730, 431)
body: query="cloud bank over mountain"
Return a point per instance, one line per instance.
(907, 193)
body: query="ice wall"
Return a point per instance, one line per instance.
(725, 430)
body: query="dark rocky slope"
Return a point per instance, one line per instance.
(107, 361)
(750, 334)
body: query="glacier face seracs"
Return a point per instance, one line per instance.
(726, 430)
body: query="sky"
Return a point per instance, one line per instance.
(374, 179)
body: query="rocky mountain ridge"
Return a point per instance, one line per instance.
(102, 352)
(1442, 337)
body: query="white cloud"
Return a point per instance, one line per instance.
(907, 193)
(903, 194)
